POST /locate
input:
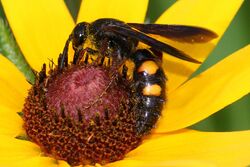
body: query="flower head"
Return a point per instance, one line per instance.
(42, 35)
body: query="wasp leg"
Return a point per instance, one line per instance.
(79, 54)
(86, 58)
(76, 56)
(124, 71)
(101, 60)
(63, 58)
(42, 74)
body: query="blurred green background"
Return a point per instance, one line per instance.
(235, 116)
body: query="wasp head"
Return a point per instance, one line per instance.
(79, 35)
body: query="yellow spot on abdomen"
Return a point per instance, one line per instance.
(152, 90)
(150, 67)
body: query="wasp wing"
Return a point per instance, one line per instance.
(180, 33)
(151, 42)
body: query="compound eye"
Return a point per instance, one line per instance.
(80, 33)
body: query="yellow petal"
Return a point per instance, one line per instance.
(63, 164)
(40, 28)
(203, 13)
(207, 93)
(212, 148)
(148, 163)
(13, 85)
(10, 122)
(36, 162)
(12, 150)
(125, 10)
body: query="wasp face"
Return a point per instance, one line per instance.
(79, 34)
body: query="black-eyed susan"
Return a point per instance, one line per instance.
(41, 29)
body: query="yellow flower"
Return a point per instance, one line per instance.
(41, 28)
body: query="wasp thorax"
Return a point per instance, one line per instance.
(82, 115)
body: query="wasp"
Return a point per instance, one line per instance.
(119, 41)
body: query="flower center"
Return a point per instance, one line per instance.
(85, 94)
(82, 115)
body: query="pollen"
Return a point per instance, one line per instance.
(83, 115)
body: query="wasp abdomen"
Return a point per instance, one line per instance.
(149, 89)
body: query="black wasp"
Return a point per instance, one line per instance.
(111, 38)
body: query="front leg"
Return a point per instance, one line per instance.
(79, 54)
(63, 57)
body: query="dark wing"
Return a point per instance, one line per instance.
(151, 42)
(181, 33)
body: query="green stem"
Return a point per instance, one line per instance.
(10, 49)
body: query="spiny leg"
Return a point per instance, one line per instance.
(63, 57)
(79, 54)
(101, 60)
(76, 56)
